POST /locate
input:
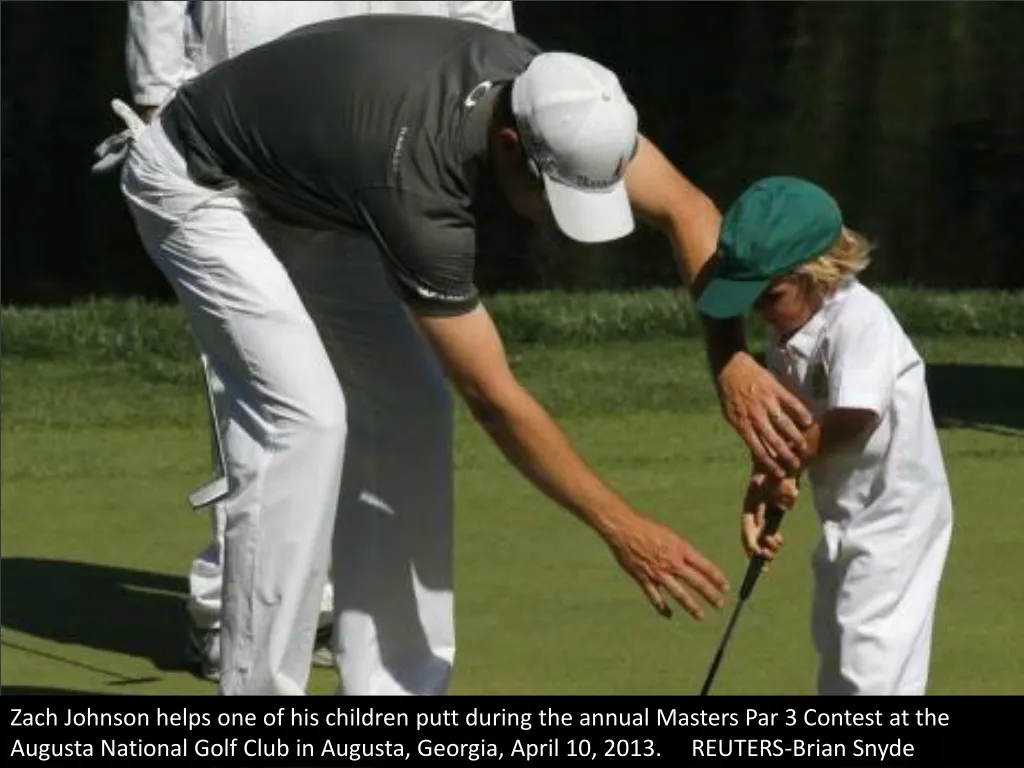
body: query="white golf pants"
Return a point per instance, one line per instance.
(338, 417)
(875, 594)
(206, 572)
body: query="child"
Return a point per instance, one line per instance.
(873, 457)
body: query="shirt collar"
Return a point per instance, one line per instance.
(479, 104)
(805, 341)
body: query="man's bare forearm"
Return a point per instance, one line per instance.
(528, 436)
(723, 339)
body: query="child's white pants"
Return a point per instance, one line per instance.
(876, 583)
(301, 447)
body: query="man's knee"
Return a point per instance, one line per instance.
(328, 413)
(319, 413)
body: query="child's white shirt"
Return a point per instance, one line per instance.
(853, 353)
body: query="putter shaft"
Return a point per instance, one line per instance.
(773, 519)
(721, 649)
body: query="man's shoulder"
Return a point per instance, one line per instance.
(427, 50)
(419, 27)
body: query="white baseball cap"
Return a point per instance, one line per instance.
(579, 130)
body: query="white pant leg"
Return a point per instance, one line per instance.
(874, 608)
(393, 535)
(824, 627)
(286, 430)
(205, 573)
(205, 577)
(921, 600)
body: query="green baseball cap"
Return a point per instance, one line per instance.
(777, 224)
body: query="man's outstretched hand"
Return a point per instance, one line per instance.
(661, 562)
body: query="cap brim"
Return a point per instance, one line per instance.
(729, 298)
(590, 217)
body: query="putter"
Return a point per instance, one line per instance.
(219, 487)
(771, 524)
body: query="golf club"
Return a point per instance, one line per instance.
(771, 524)
(219, 487)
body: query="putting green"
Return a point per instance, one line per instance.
(97, 460)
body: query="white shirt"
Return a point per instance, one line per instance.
(170, 42)
(853, 353)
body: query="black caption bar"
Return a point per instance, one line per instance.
(938, 732)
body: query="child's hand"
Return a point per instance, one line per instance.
(763, 491)
(782, 493)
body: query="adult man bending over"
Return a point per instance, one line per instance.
(314, 202)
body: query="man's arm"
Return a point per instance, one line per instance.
(768, 417)
(471, 350)
(155, 56)
(663, 198)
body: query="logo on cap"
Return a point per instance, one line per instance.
(579, 131)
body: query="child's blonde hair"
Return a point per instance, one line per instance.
(849, 256)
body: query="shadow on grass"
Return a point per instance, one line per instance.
(985, 397)
(31, 690)
(136, 613)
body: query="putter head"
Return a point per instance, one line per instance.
(211, 493)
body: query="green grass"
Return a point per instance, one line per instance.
(97, 458)
(156, 336)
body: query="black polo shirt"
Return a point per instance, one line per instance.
(373, 122)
